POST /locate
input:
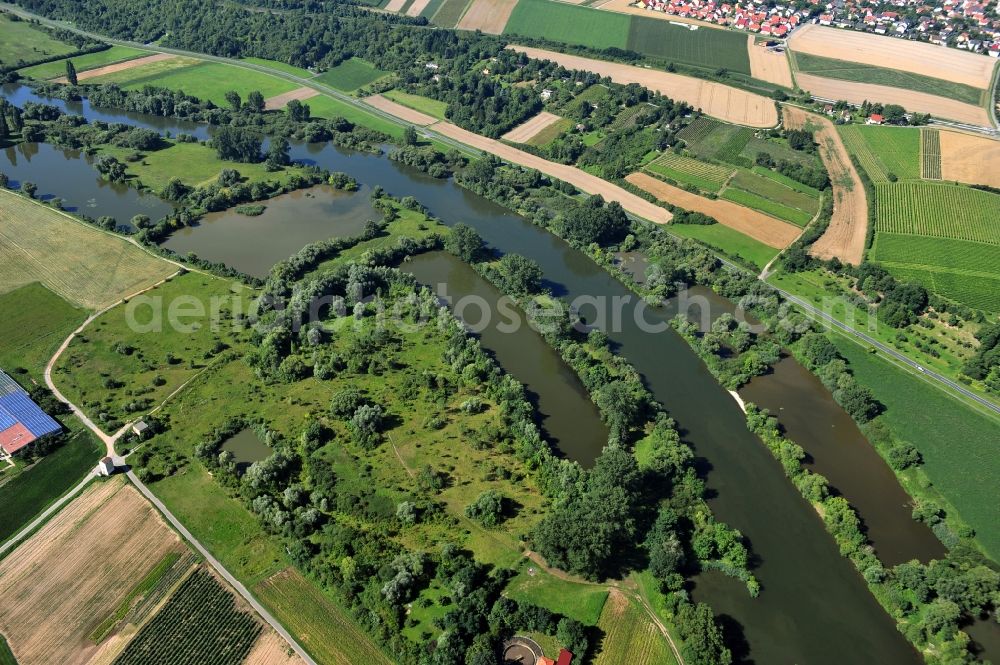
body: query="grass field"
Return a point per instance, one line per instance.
(768, 206)
(938, 210)
(88, 268)
(23, 43)
(37, 486)
(930, 154)
(201, 166)
(431, 107)
(6, 657)
(328, 107)
(351, 74)
(957, 443)
(854, 71)
(325, 629)
(630, 636)
(36, 321)
(82, 63)
(581, 601)
(786, 181)
(281, 66)
(704, 176)
(200, 618)
(577, 24)
(571, 24)
(711, 139)
(728, 241)
(764, 185)
(885, 151)
(202, 79)
(550, 133)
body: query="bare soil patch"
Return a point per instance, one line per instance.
(970, 158)
(845, 236)
(271, 649)
(400, 111)
(763, 228)
(490, 16)
(531, 127)
(279, 101)
(856, 93)
(768, 65)
(917, 57)
(119, 67)
(715, 99)
(577, 177)
(395, 5)
(62, 582)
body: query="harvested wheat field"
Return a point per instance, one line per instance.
(394, 5)
(490, 16)
(856, 93)
(60, 584)
(417, 7)
(941, 62)
(400, 111)
(531, 127)
(970, 158)
(845, 237)
(763, 228)
(119, 67)
(271, 649)
(579, 178)
(715, 99)
(768, 65)
(279, 101)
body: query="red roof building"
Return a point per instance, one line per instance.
(564, 657)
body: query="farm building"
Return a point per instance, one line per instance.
(21, 420)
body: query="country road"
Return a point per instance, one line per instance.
(942, 382)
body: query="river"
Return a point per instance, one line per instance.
(814, 607)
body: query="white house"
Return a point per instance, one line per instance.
(139, 427)
(105, 467)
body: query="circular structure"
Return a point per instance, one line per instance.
(521, 651)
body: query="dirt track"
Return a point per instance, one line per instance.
(970, 158)
(490, 16)
(715, 99)
(67, 578)
(279, 101)
(768, 65)
(531, 127)
(940, 62)
(119, 67)
(400, 111)
(577, 177)
(845, 237)
(763, 228)
(856, 93)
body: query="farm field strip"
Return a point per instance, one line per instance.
(449, 13)
(775, 190)
(763, 228)
(490, 16)
(930, 154)
(25, 43)
(52, 602)
(280, 101)
(83, 63)
(630, 636)
(715, 99)
(767, 206)
(705, 176)
(120, 66)
(431, 107)
(938, 210)
(270, 649)
(531, 127)
(85, 266)
(959, 256)
(351, 75)
(921, 102)
(383, 103)
(769, 65)
(939, 62)
(845, 237)
(862, 73)
(858, 147)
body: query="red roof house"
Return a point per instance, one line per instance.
(564, 657)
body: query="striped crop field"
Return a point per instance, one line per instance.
(885, 151)
(857, 146)
(938, 210)
(930, 154)
(704, 176)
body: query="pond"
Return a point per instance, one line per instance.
(246, 448)
(253, 244)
